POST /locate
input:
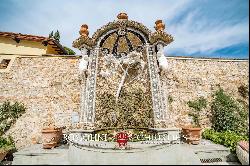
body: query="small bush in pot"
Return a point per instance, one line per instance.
(51, 135)
(6, 145)
(192, 133)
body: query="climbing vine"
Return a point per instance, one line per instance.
(9, 113)
(132, 110)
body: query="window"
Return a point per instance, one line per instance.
(4, 63)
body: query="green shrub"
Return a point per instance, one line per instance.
(228, 114)
(8, 114)
(243, 90)
(6, 144)
(197, 106)
(226, 138)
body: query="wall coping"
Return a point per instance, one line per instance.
(168, 57)
(207, 58)
(42, 56)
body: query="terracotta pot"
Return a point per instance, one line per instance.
(191, 135)
(122, 16)
(3, 154)
(159, 25)
(84, 30)
(51, 137)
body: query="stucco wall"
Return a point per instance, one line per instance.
(24, 47)
(9, 46)
(53, 83)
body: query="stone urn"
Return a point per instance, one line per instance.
(51, 137)
(191, 134)
(84, 30)
(159, 25)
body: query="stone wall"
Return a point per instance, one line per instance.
(53, 84)
(43, 84)
(190, 78)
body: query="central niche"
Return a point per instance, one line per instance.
(123, 94)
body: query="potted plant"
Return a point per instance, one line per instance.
(6, 144)
(51, 135)
(192, 133)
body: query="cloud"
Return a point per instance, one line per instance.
(203, 30)
(190, 39)
(199, 27)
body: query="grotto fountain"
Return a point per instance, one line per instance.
(121, 86)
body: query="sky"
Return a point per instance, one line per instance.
(201, 28)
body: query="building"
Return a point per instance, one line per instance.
(17, 44)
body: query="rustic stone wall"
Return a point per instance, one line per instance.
(43, 84)
(190, 78)
(54, 83)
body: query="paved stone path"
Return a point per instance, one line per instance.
(166, 154)
(36, 155)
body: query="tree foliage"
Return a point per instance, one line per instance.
(69, 51)
(51, 34)
(57, 36)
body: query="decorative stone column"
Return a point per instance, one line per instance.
(88, 99)
(156, 87)
(83, 66)
(162, 67)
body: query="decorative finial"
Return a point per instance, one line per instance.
(122, 16)
(159, 25)
(84, 30)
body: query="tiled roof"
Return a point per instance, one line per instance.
(45, 40)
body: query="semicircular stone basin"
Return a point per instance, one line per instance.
(141, 152)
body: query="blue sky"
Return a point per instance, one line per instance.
(208, 28)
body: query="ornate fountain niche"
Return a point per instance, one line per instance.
(121, 86)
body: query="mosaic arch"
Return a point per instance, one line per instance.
(121, 85)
